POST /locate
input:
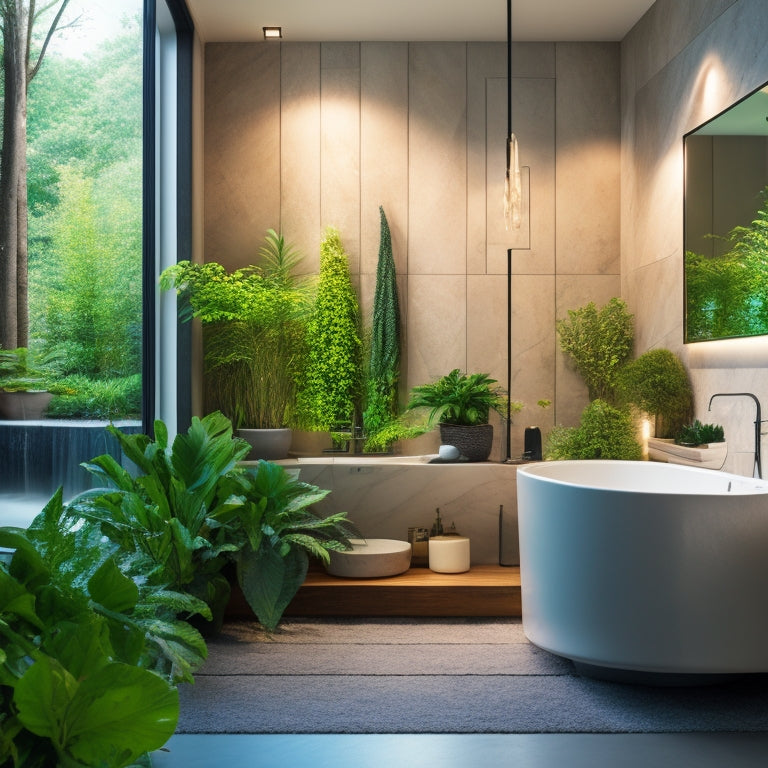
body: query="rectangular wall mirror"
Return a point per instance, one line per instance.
(726, 223)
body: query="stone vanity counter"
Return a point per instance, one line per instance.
(385, 496)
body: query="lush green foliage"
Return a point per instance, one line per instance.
(109, 399)
(599, 341)
(700, 434)
(381, 404)
(85, 231)
(605, 432)
(331, 380)
(459, 398)
(728, 295)
(192, 509)
(90, 650)
(656, 382)
(254, 322)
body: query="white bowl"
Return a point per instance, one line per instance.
(371, 558)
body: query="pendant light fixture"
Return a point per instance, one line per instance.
(513, 186)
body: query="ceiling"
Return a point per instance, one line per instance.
(423, 20)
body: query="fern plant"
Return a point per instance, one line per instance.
(330, 381)
(381, 405)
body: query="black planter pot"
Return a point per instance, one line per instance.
(474, 443)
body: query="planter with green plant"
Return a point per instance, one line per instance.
(599, 341)
(254, 323)
(330, 390)
(605, 432)
(695, 445)
(91, 650)
(193, 509)
(26, 385)
(461, 404)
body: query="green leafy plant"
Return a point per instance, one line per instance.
(331, 379)
(700, 434)
(599, 341)
(107, 399)
(656, 382)
(605, 432)
(726, 295)
(22, 370)
(191, 510)
(458, 398)
(90, 655)
(254, 323)
(381, 406)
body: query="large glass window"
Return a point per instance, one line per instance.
(79, 247)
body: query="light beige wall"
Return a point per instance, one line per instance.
(681, 65)
(302, 136)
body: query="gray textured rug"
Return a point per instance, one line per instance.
(434, 676)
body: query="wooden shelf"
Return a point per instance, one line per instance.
(484, 590)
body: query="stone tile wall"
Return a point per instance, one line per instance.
(681, 65)
(302, 136)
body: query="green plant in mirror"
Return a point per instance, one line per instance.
(599, 341)
(727, 295)
(254, 324)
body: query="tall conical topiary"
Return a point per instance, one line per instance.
(384, 363)
(330, 383)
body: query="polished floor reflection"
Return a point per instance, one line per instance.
(703, 750)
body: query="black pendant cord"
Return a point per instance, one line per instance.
(509, 251)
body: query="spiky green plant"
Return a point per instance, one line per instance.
(381, 405)
(331, 380)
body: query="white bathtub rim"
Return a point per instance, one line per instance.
(706, 482)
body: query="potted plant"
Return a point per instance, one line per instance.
(254, 323)
(25, 389)
(461, 404)
(193, 509)
(695, 444)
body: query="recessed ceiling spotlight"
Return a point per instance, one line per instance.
(272, 33)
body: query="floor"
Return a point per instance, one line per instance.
(702, 750)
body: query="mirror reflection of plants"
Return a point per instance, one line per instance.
(727, 295)
(254, 323)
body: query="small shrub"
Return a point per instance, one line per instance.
(700, 434)
(107, 399)
(599, 341)
(605, 432)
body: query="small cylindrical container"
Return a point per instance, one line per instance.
(449, 554)
(419, 539)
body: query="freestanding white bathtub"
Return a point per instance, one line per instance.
(645, 571)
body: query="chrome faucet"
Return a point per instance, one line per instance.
(758, 423)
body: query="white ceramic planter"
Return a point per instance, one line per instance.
(707, 456)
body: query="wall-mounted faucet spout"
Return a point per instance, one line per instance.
(758, 423)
